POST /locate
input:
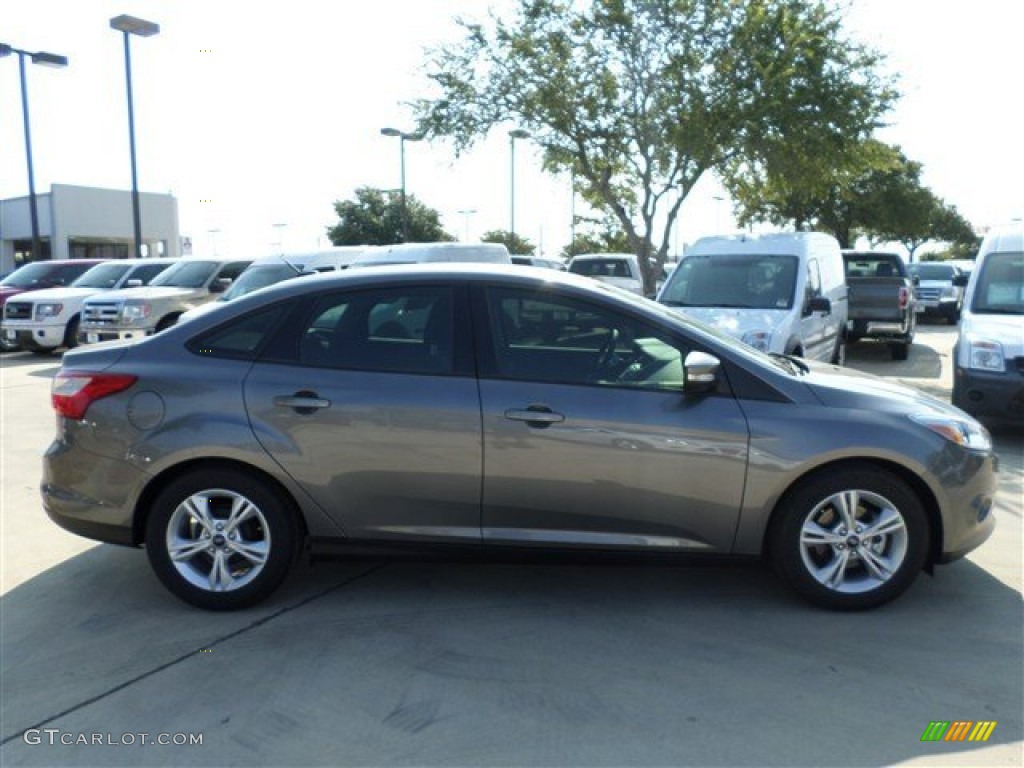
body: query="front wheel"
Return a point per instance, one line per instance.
(850, 539)
(221, 540)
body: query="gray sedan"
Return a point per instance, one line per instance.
(493, 408)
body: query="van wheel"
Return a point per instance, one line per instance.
(850, 540)
(839, 355)
(221, 539)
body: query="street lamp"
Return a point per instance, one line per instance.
(515, 133)
(46, 60)
(403, 136)
(466, 212)
(129, 25)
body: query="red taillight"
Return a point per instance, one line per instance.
(904, 297)
(73, 393)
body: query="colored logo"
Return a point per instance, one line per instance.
(958, 730)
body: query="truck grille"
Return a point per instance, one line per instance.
(18, 310)
(101, 313)
(929, 294)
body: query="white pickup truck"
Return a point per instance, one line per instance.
(134, 313)
(42, 321)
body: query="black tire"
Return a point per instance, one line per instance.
(806, 563)
(900, 350)
(219, 550)
(839, 354)
(165, 323)
(71, 334)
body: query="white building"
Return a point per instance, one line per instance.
(87, 223)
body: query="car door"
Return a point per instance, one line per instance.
(814, 325)
(370, 403)
(589, 440)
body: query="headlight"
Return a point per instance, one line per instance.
(44, 311)
(966, 433)
(758, 339)
(133, 313)
(985, 355)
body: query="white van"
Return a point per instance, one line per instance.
(418, 253)
(782, 293)
(988, 358)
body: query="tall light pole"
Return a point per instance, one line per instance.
(129, 25)
(466, 212)
(515, 133)
(46, 60)
(403, 136)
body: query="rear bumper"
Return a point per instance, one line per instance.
(90, 495)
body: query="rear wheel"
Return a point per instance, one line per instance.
(900, 350)
(221, 540)
(850, 539)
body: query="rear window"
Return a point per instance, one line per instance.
(600, 268)
(933, 271)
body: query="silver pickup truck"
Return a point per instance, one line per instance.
(881, 300)
(133, 313)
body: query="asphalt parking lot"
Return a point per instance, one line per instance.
(440, 663)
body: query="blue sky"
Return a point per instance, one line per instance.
(257, 117)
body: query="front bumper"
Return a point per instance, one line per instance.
(95, 334)
(989, 395)
(34, 337)
(970, 481)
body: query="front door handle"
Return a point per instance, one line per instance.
(535, 415)
(303, 402)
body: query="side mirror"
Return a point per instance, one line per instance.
(220, 285)
(700, 372)
(819, 304)
(915, 279)
(133, 283)
(961, 280)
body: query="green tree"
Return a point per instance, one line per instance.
(640, 99)
(599, 236)
(516, 244)
(374, 217)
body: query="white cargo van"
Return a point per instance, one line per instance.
(988, 358)
(783, 293)
(418, 253)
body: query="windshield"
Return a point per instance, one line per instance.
(933, 271)
(733, 280)
(600, 267)
(102, 276)
(186, 274)
(30, 276)
(257, 277)
(1000, 286)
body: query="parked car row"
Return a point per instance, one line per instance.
(128, 298)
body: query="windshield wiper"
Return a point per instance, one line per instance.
(795, 364)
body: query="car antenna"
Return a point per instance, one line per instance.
(294, 268)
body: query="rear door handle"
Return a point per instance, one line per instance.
(302, 402)
(535, 415)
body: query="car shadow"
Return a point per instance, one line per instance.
(441, 662)
(874, 357)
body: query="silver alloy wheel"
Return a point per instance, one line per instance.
(218, 540)
(853, 541)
